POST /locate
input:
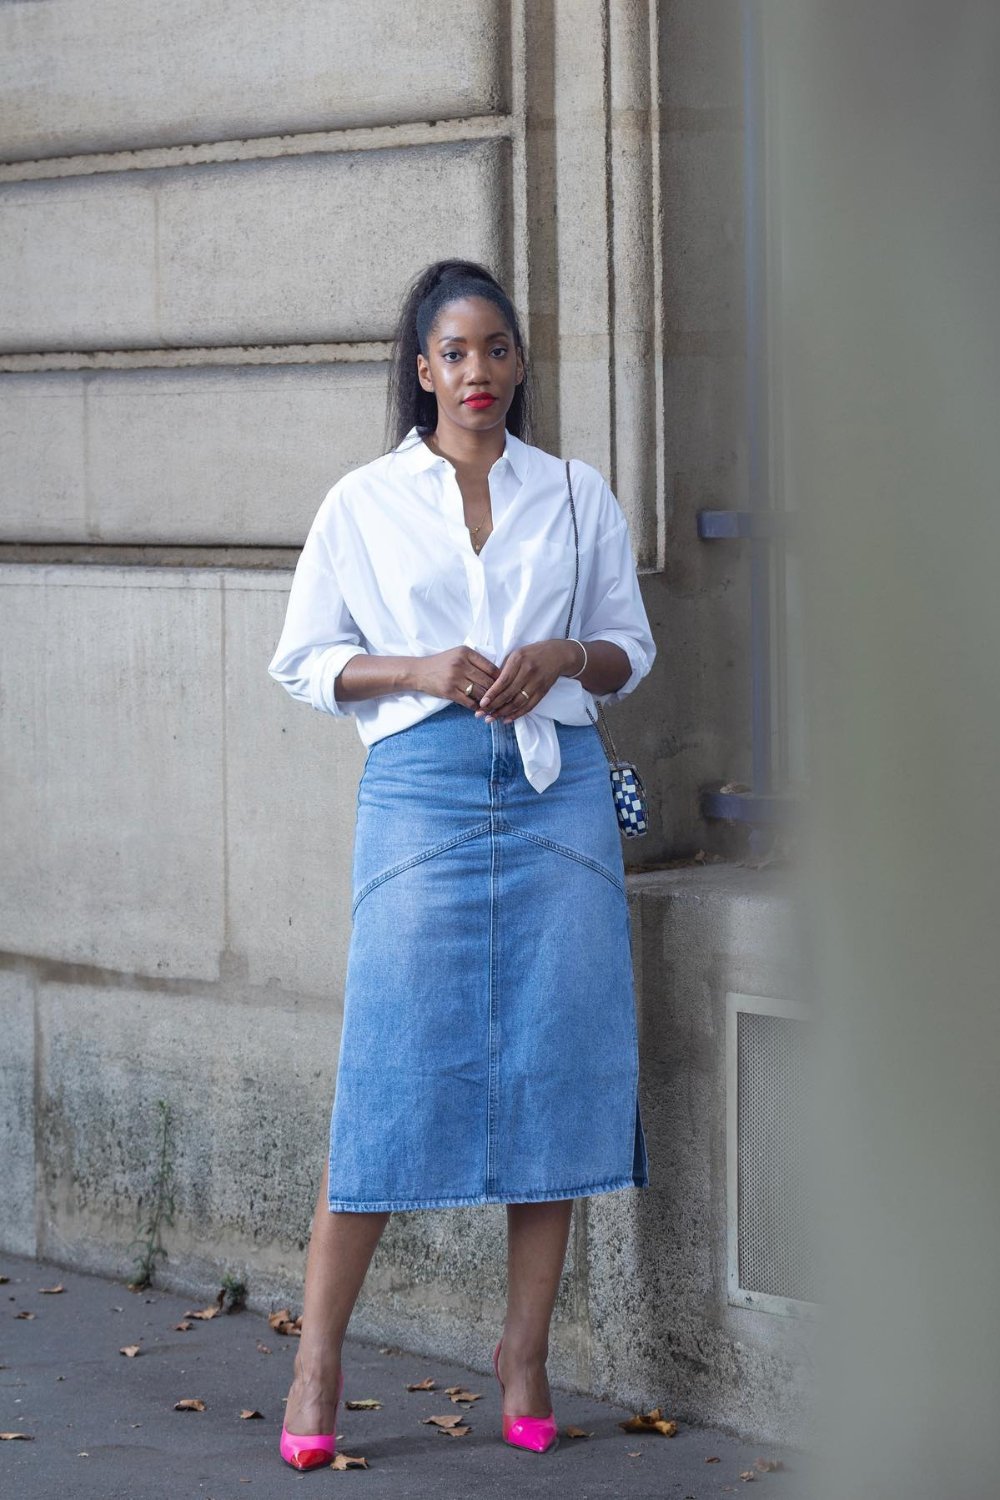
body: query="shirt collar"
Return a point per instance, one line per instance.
(416, 455)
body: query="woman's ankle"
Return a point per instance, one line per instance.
(524, 1350)
(317, 1371)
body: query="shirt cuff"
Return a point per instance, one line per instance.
(325, 673)
(638, 661)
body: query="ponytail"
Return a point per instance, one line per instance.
(408, 404)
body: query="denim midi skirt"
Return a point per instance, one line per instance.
(489, 1050)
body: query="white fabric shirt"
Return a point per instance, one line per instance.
(388, 569)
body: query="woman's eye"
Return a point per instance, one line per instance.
(449, 352)
(500, 349)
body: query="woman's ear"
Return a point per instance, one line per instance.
(424, 373)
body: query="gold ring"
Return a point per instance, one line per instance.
(524, 694)
(468, 691)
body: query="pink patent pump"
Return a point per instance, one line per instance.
(539, 1434)
(311, 1450)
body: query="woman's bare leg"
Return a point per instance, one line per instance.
(341, 1246)
(537, 1236)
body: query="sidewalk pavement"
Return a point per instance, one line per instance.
(102, 1425)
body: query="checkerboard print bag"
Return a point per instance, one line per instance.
(627, 787)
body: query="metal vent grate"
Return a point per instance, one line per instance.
(772, 1173)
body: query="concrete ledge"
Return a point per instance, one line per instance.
(697, 933)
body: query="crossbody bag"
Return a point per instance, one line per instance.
(627, 787)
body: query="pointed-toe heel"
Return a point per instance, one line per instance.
(311, 1450)
(535, 1434)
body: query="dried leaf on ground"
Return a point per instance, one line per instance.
(349, 1461)
(131, 1350)
(59, 1288)
(9, 1437)
(454, 1431)
(443, 1421)
(747, 1475)
(363, 1403)
(650, 1421)
(713, 1460)
(427, 1384)
(247, 1413)
(262, 1348)
(190, 1403)
(576, 1432)
(283, 1322)
(184, 1327)
(205, 1312)
(460, 1395)
(24, 1315)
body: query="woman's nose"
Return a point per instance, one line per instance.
(477, 371)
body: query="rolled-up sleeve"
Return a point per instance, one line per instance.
(612, 608)
(319, 635)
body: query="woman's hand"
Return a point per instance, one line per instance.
(527, 670)
(447, 674)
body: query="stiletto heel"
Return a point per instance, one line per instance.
(538, 1434)
(311, 1450)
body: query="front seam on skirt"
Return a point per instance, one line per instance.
(496, 826)
(416, 859)
(492, 1098)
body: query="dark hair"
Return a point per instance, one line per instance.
(445, 281)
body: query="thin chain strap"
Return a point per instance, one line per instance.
(613, 756)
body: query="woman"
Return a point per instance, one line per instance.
(488, 1051)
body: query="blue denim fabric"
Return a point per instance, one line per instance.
(489, 1051)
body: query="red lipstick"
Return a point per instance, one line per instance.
(479, 401)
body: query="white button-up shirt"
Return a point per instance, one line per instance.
(388, 569)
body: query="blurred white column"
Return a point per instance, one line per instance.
(890, 343)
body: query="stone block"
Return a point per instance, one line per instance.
(248, 1084)
(17, 1112)
(133, 73)
(226, 456)
(298, 249)
(43, 476)
(112, 739)
(703, 273)
(291, 797)
(701, 55)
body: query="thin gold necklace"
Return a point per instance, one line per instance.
(472, 530)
